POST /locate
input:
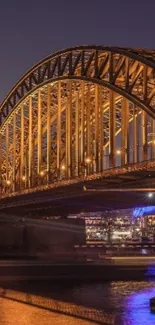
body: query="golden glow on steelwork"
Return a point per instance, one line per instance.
(84, 103)
(88, 160)
(118, 152)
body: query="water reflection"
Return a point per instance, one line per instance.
(119, 303)
(137, 310)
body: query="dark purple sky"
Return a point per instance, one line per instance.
(32, 29)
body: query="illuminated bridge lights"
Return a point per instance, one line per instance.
(64, 121)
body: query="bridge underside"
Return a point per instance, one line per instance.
(122, 191)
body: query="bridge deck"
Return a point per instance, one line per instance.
(98, 196)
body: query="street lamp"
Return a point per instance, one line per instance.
(23, 178)
(8, 182)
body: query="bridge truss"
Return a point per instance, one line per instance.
(77, 114)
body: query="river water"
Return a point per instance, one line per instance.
(120, 303)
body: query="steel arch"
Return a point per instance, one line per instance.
(99, 92)
(99, 64)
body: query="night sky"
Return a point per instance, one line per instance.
(33, 29)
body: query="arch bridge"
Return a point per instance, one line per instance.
(80, 114)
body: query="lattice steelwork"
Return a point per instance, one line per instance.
(78, 113)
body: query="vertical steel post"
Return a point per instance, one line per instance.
(125, 156)
(7, 152)
(39, 135)
(48, 133)
(112, 130)
(77, 133)
(69, 132)
(59, 129)
(144, 135)
(30, 144)
(82, 121)
(14, 153)
(97, 128)
(89, 154)
(144, 115)
(22, 172)
(0, 162)
(153, 138)
(134, 135)
(138, 129)
(101, 131)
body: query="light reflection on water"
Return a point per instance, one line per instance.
(137, 308)
(120, 303)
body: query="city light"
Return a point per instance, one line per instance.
(23, 178)
(150, 195)
(8, 182)
(42, 173)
